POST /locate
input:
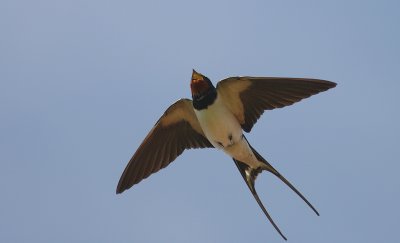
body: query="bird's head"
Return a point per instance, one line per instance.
(200, 85)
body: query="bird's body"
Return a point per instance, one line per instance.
(217, 118)
(222, 129)
(219, 125)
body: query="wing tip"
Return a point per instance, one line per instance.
(119, 189)
(122, 186)
(330, 84)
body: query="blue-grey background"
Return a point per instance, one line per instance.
(82, 82)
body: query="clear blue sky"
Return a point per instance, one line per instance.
(82, 82)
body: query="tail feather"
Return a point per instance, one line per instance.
(250, 174)
(271, 169)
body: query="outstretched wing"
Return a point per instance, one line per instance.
(176, 130)
(249, 97)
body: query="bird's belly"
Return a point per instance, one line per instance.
(219, 125)
(223, 131)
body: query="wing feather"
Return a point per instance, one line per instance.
(249, 97)
(177, 130)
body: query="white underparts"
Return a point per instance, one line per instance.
(223, 131)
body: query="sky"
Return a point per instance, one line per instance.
(82, 83)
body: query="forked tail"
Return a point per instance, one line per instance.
(250, 175)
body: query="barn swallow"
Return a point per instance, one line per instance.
(216, 118)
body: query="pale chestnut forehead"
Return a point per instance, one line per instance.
(197, 76)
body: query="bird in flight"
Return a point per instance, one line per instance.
(216, 118)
